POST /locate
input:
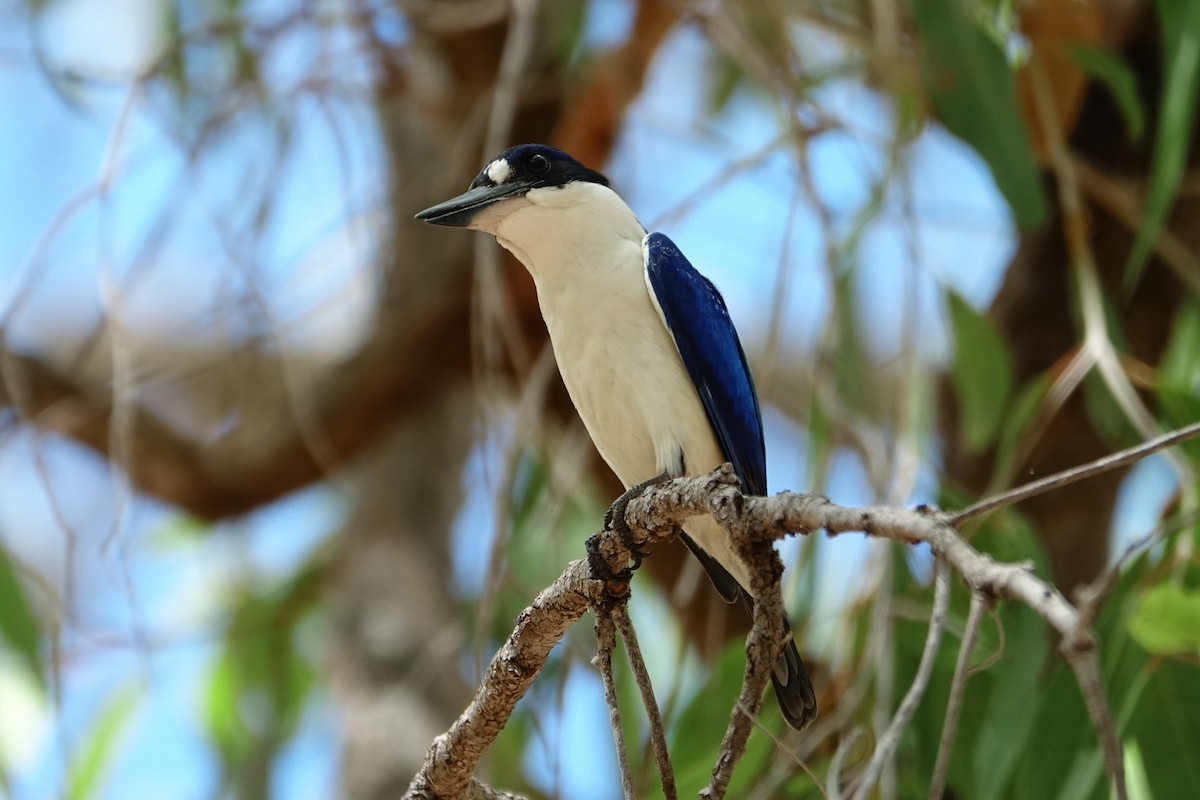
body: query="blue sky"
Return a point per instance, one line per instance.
(140, 574)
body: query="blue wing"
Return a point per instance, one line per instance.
(698, 320)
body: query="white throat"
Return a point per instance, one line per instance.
(566, 233)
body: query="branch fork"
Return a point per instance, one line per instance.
(655, 513)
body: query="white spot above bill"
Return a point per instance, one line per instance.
(499, 171)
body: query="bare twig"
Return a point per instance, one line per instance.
(1082, 654)
(834, 783)
(495, 329)
(1089, 470)
(883, 645)
(1090, 597)
(958, 687)
(782, 514)
(886, 746)
(453, 756)
(658, 735)
(786, 764)
(606, 642)
(755, 523)
(763, 647)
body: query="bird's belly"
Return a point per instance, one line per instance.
(648, 421)
(636, 399)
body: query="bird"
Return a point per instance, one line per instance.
(645, 346)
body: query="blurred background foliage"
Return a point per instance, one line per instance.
(282, 466)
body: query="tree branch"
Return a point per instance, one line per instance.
(763, 646)
(958, 685)
(788, 513)
(658, 735)
(657, 514)
(890, 740)
(606, 643)
(451, 761)
(1091, 469)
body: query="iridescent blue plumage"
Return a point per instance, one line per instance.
(696, 315)
(712, 354)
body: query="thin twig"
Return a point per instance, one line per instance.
(606, 642)
(481, 791)
(452, 758)
(887, 744)
(1122, 201)
(786, 764)
(658, 735)
(1083, 657)
(998, 653)
(763, 646)
(883, 641)
(834, 782)
(958, 687)
(1075, 474)
(1090, 597)
(495, 323)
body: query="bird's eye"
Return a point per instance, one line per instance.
(538, 164)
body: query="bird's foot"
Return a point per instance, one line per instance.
(614, 520)
(601, 571)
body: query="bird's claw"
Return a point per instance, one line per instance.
(614, 518)
(599, 565)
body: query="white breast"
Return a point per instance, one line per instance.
(583, 247)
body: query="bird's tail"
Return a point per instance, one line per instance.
(793, 687)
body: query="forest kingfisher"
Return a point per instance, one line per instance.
(644, 344)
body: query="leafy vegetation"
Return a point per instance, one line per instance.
(913, 384)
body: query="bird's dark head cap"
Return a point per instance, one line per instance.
(535, 166)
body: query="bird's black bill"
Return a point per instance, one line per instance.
(458, 212)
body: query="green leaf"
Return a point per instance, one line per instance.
(1179, 372)
(852, 381)
(18, 625)
(1181, 83)
(1109, 68)
(969, 80)
(261, 681)
(1167, 620)
(726, 77)
(820, 441)
(565, 23)
(982, 374)
(1022, 413)
(1108, 417)
(220, 710)
(88, 766)
(1137, 782)
(1086, 767)
(1171, 731)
